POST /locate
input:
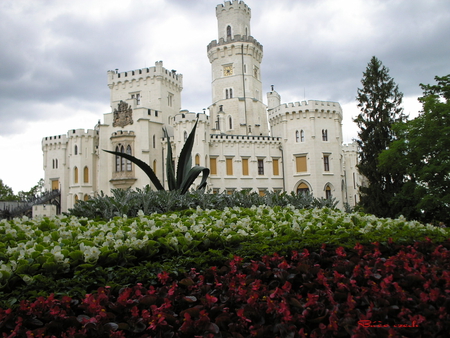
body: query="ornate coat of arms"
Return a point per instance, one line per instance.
(123, 115)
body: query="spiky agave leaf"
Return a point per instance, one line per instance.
(144, 166)
(169, 164)
(191, 177)
(185, 160)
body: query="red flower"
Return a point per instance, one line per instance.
(163, 277)
(341, 252)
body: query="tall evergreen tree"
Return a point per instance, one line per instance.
(379, 101)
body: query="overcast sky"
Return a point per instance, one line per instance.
(54, 57)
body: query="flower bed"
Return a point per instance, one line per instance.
(329, 293)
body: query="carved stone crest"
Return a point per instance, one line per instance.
(123, 115)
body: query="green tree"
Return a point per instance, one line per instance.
(6, 193)
(33, 193)
(422, 155)
(379, 101)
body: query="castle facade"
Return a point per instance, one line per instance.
(245, 143)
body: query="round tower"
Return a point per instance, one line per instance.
(233, 18)
(236, 76)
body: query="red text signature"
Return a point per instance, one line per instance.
(370, 323)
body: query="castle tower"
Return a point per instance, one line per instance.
(235, 58)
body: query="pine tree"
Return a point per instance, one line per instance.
(379, 101)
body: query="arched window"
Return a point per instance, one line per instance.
(86, 197)
(75, 150)
(231, 93)
(302, 136)
(128, 161)
(197, 159)
(76, 198)
(297, 136)
(230, 122)
(185, 136)
(327, 192)
(122, 164)
(154, 166)
(302, 188)
(226, 93)
(53, 162)
(228, 32)
(324, 135)
(75, 175)
(154, 141)
(117, 160)
(86, 175)
(56, 163)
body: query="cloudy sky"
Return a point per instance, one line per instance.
(54, 56)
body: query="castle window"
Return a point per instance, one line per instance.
(154, 166)
(137, 97)
(213, 165)
(86, 197)
(86, 175)
(56, 163)
(154, 141)
(328, 192)
(170, 100)
(55, 184)
(302, 136)
(75, 175)
(229, 162)
(275, 165)
(156, 113)
(302, 188)
(197, 159)
(128, 161)
(117, 160)
(122, 164)
(324, 135)
(326, 163)
(185, 136)
(260, 167)
(226, 93)
(53, 163)
(75, 150)
(230, 122)
(245, 166)
(301, 164)
(76, 198)
(297, 136)
(228, 32)
(231, 93)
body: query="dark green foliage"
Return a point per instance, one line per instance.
(129, 202)
(186, 175)
(6, 193)
(379, 101)
(422, 156)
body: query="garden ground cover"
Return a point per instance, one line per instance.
(139, 280)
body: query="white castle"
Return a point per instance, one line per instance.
(245, 143)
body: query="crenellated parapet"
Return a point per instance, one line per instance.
(186, 116)
(232, 5)
(158, 72)
(242, 139)
(320, 108)
(236, 46)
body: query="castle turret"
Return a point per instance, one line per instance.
(236, 77)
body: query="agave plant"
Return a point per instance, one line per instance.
(186, 174)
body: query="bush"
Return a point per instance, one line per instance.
(130, 202)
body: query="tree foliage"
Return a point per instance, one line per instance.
(379, 101)
(6, 193)
(422, 156)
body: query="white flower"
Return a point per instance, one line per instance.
(188, 236)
